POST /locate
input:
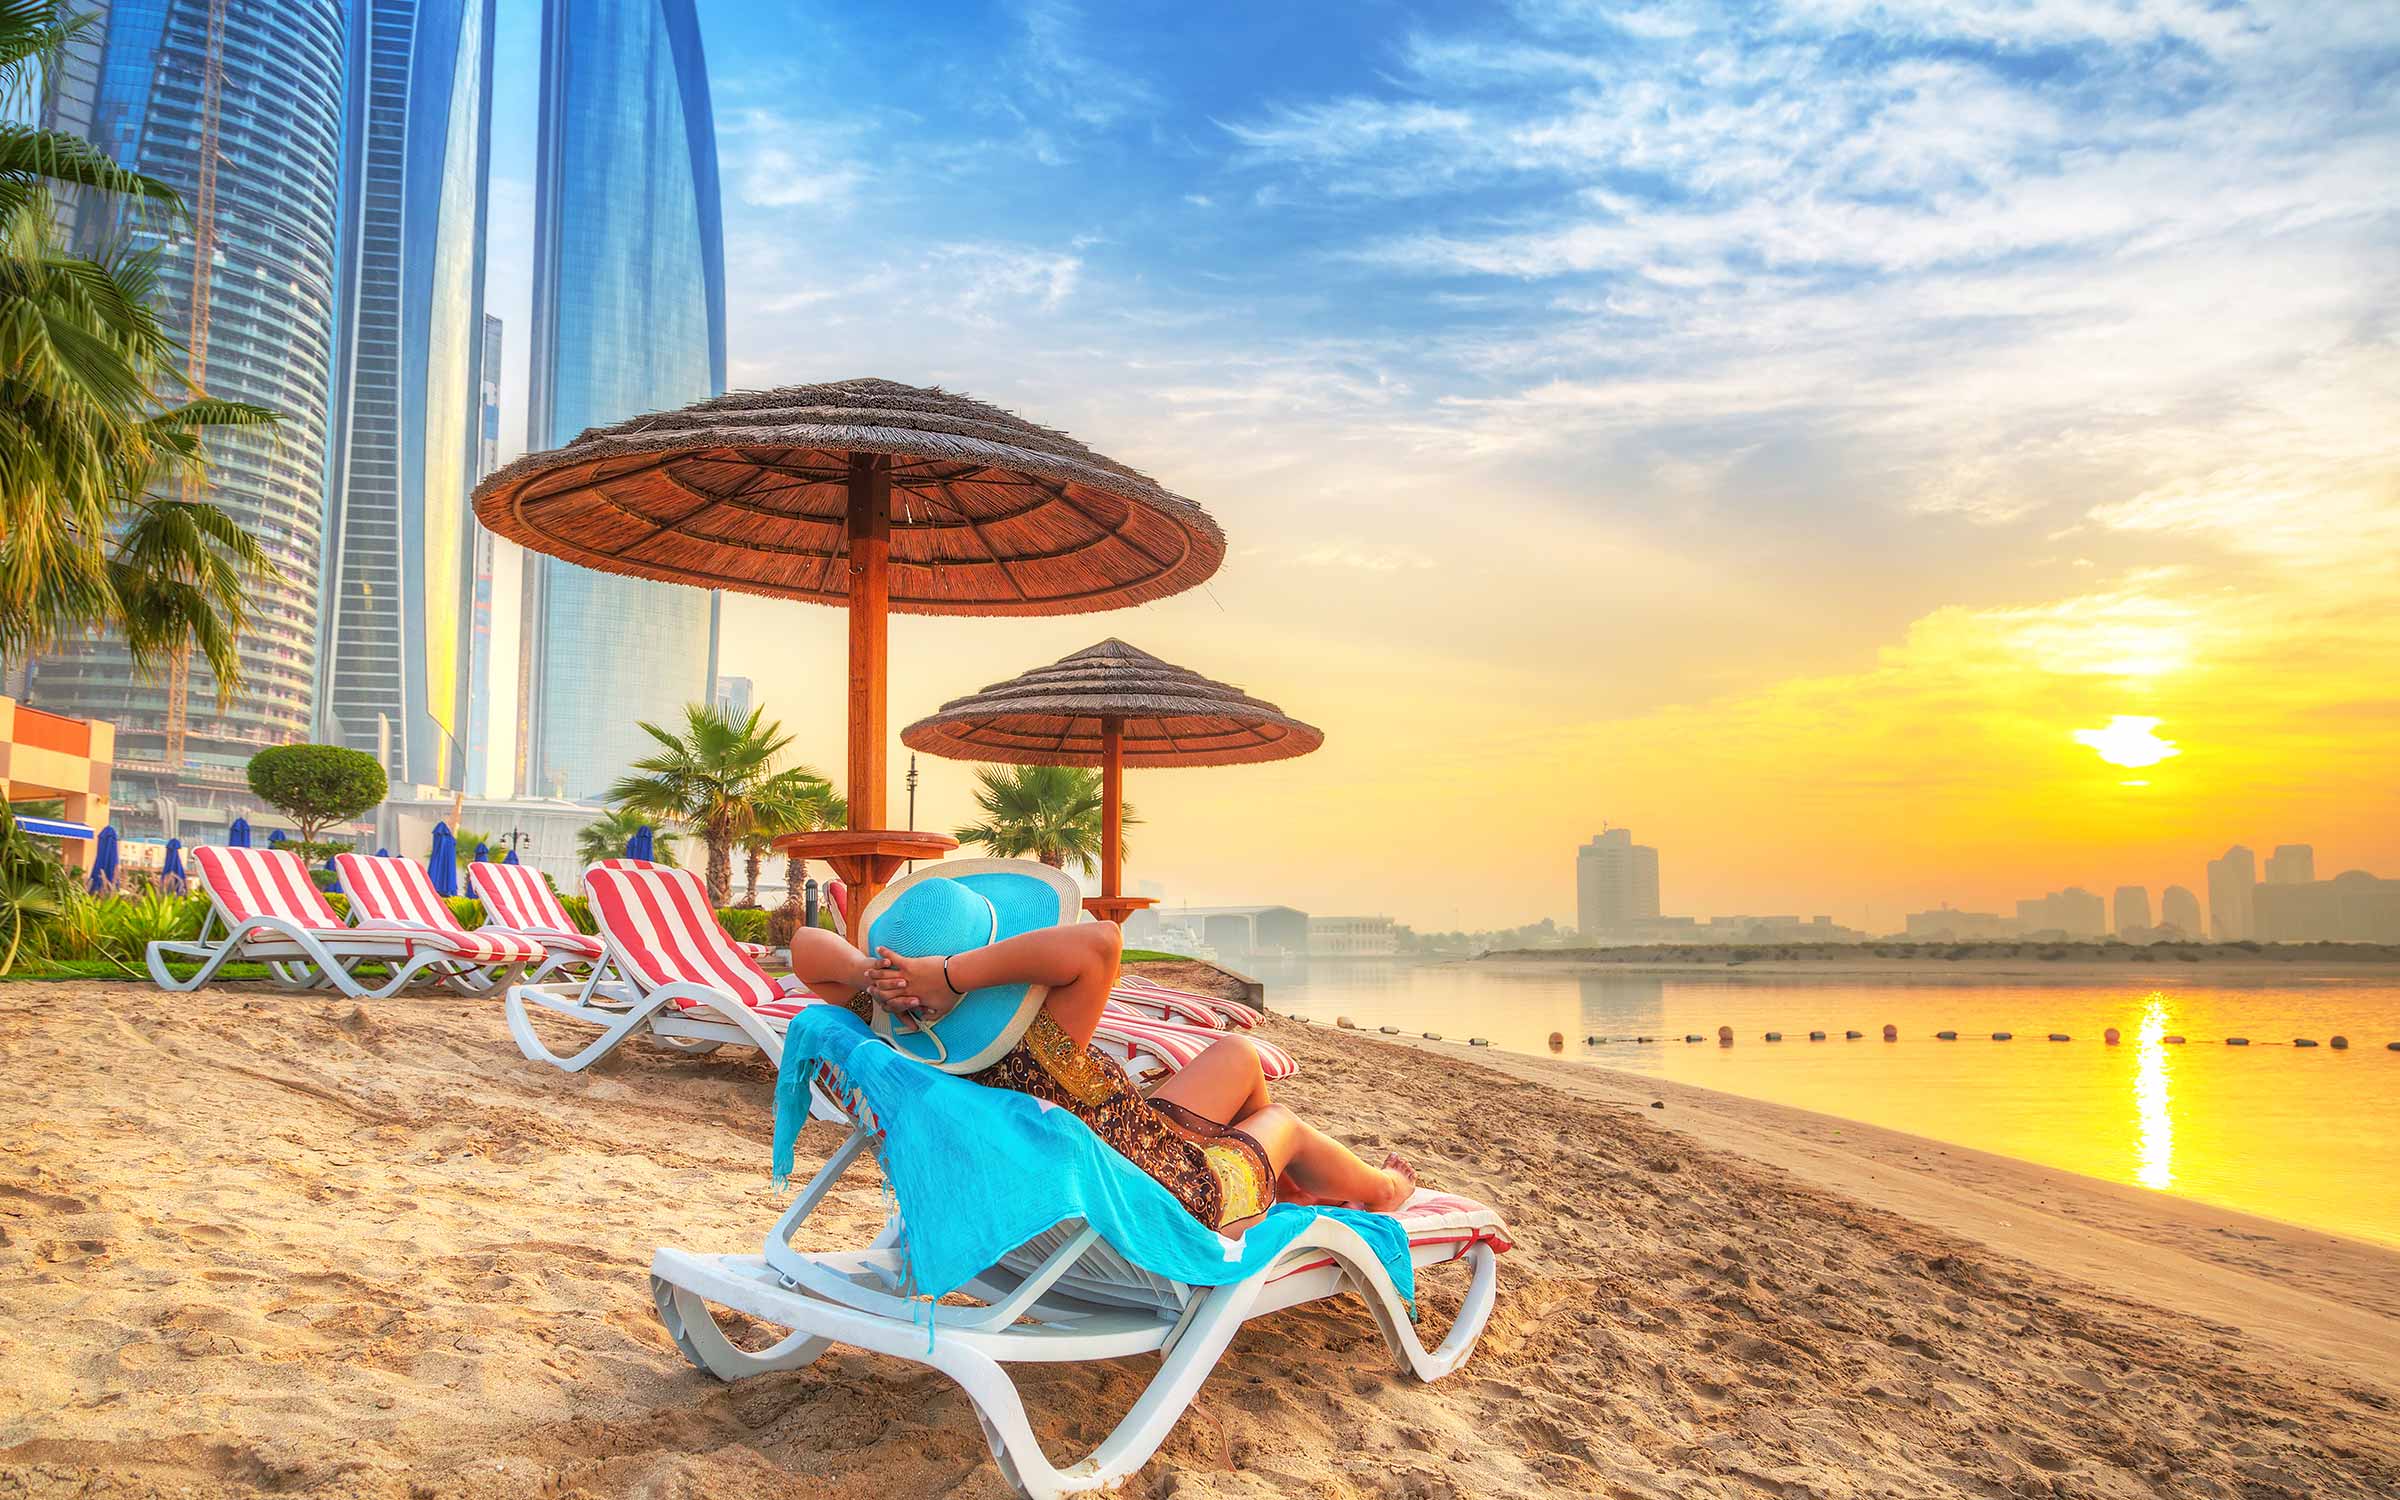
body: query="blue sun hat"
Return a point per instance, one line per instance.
(948, 915)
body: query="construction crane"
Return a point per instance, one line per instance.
(204, 253)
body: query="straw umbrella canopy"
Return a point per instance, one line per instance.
(1112, 706)
(868, 494)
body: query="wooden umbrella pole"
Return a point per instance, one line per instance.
(870, 534)
(1112, 807)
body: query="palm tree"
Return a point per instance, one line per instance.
(1051, 813)
(91, 439)
(606, 838)
(799, 801)
(713, 780)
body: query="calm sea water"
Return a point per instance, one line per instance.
(2308, 1136)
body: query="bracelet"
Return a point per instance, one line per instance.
(946, 984)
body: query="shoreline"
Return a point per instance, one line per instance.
(259, 1240)
(1930, 969)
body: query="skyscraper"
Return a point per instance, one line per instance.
(2231, 883)
(140, 85)
(628, 317)
(2180, 909)
(2132, 908)
(1616, 885)
(407, 385)
(2292, 864)
(479, 634)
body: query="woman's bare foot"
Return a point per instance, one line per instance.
(1403, 1180)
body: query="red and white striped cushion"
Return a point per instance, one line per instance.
(484, 945)
(660, 921)
(391, 889)
(1191, 1005)
(1182, 1044)
(518, 898)
(1435, 1220)
(247, 883)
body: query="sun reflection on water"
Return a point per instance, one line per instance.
(2153, 1101)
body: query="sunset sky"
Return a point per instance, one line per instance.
(1779, 429)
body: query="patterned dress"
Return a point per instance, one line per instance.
(1220, 1174)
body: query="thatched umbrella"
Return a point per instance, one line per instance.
(1112, 706)
(866, 493)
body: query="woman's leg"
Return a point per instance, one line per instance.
(1323, 1168)
(1076, 963)
(1223, 1084)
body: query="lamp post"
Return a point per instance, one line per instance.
(912, 801)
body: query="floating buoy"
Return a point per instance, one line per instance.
(1724, 1036)
(1645, 1039)
(1850, 1036)
(1694, 1037)
(1479, 1041)
(1594, 1041)
(1557, 1042)
(2002, 1036)
(2109, 1036)
(1774, 1036)
(2060, 1036)
(1816, 1036)
(1947, 1036)
(2340, 1044)
(1891, 1033)
(2301, 1041)
(2172, 1041)
(2391, 1046)
(1433, 1036)
(1389, 1030)
(2237, 1041)
(1344, 1023)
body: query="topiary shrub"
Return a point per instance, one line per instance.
(314, 785)
(746, 924)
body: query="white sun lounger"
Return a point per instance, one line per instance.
(271, 912)
(390, 893)
(516, 898)
(1064, 1296)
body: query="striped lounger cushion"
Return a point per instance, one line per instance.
(1191, 1005)
(1184, 1043)
(518, 898)
(668, 934)
(396, 894)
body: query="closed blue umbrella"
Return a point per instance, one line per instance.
(442, 863)
(275, 839)
(104, 862)
(238, 836)
(170, 873)
(643, 845)
(383, 854)
(335, 871)
(512, 858)
(483, 853)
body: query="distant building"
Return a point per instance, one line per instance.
(1616, 886)
(479, 649)
(2132, 909)
(1772, 929)
(1245, 931)
(2291, 864)
(2075, 912)
(544, 828)
(2178, 908)
(2352, 907)
(46, 757)
(1352, 937)
(1948, 926)
(2230, 882)
(733, 697)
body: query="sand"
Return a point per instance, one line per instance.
(258, 1243)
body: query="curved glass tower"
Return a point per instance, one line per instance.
(408, 386)
(135, 86)
(628, 317)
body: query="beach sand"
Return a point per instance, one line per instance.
(255, 1243)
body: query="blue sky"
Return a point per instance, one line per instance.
(1606, 364)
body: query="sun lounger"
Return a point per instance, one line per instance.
(271, 912)
(1151, 1047)
(1067, 1294)
(1174, 1004)
(390, 893)
(517, 898)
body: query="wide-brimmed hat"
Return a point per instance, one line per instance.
(940, 912)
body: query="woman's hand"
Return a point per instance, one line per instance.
(910, 986)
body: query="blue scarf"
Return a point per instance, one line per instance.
(978, 1171)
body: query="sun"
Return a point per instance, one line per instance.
(2128, 741)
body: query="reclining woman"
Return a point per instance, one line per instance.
(1210, 1134)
